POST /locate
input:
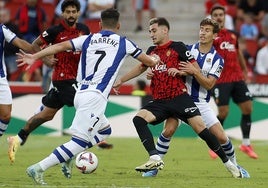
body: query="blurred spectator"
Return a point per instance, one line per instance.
(139, 88)
(249, 29)
(9, 49)
(262, 60)
(31, 20)
(140, 6)
(93, 14)
(264, 22)
(83, 8)
(250, 6)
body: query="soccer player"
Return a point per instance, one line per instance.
(232, 81)
(170, 97)
(102, 56)
(63, 76)
(5, 93)
(200, 80)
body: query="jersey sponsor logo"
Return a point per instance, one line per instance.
(227, 46)
(191, 109)
(160, 68)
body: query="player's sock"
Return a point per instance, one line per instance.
(23, 135)
(245, 125)
(213, 144)
(145, 135)
(162, 145)
(3, 127)
(229, 151)
(64, 153)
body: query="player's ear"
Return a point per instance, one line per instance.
(118, 26)
(100, 25)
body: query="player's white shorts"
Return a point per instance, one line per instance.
(207, 113)
(5, 92)
(89, 117)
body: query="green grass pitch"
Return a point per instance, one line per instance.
(187, 165)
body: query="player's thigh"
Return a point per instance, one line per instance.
(90, 108)
(208, 115)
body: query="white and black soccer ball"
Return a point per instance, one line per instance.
(86, 162)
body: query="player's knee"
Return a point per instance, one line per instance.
(5, 117)
(169, 131)
(137, 120)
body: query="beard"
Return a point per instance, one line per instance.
(71, 21)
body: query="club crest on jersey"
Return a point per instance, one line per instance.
(208, 60)
(168, 53)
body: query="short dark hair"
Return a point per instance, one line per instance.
(67, 3)
(215, 7)
(110, 17)
(160, 21)
(141, 84)
(213, 23)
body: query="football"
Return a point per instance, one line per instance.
(86, 162)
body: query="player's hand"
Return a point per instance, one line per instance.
(149, 74)
(116, 86)
(188, 68)
(25, 59)
(173, 72)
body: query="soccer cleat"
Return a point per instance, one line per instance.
(212, 154)
(66, 168)
(151, 173)
(243, 172)
(104, 145)
(150, 165)
(13, 145)
(36, 173)
(249, 151)
(233, 169)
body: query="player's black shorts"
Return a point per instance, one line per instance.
(181, 107)
(238, 91)
(61, 94)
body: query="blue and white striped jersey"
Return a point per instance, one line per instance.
(102, 55)
(210, 64)
(5, 35)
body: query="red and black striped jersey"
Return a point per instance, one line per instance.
(171, 54)
(66, 67)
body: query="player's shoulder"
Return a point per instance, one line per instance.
(83, 27)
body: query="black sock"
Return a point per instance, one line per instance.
(145, 135)
(213, 144)
(23, 135)
(245, 125)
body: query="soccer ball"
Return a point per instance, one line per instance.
(86, 162)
